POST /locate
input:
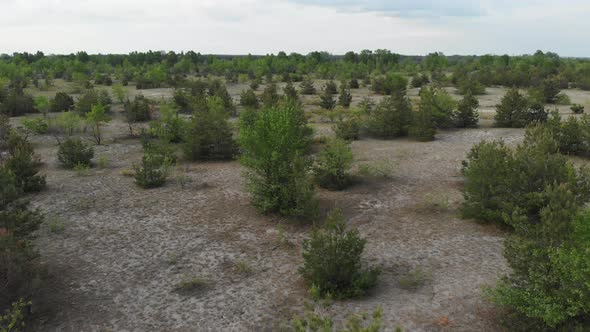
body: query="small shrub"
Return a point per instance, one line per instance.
(391, 84)
(306, 87)
(93, 98)
(312, 321)
(96, 118)
(382, 169)
(353, 83)
(420, 80)
(290, 93)
(139, 110)
(467, 115)
(103, 162)
(270, 96)
(14, 318)
(153, 170)
(36, 125)
(332, 260)
(24, 164)
(345, 98)
(348, 129)
(62, 102)
(327, 100)
(169, 127)
(414, 279)
(74, 152)
(333, 164)
(577, 108)
(248, 99)
(515, 111)
(330, 88)
(82, 170)
(192, 285)
(17, 103)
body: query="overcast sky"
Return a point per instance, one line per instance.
(269, 26)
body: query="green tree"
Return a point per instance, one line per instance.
(42, 105)
(391, 118)
(96, 118)
(120, 92)
(327, 100)
(248, 99)
(274, 147)
(62, 102)
(270, 96)
(345, 97)
(333, 164)
(306, 87)
(467, 115)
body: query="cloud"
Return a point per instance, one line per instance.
(405, 8)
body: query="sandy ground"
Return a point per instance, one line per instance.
(123, 250)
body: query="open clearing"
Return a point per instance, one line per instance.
(123, 249)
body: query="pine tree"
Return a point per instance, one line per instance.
(290, 92)
(306, 87)
(330, 87)
(327, 100)
(467, 115)
(345, 97)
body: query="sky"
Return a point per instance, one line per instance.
(411, 27)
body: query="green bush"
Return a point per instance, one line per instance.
(332, 260)
(153, 170)
(548, 287)
(508, 186)
(23, 163)
(169, 127)
(348, 128)
(208, 135)
(248, 99)
(389, 84)
(467, 115)
(333, 164)
(93, 98)
(274, 146)
(36, 125)
(17, 103)
(471, 86)
(515, 111)
(330, 87)
(306, 87)
(420, 80)
(440, 105)
(62, 102)
(577, 108)
(391, 118)
(571, 135)
(139, 110)
(345, 98)
(327, 100)
(270, 96)
(74, 152)
(290, 93)
(353, 84)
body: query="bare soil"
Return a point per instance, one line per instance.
(123, 251)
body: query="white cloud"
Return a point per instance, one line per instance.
(265, 26)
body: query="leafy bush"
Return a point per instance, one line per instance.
(35, 125)
(547, 91)
(290, 93)
(169, 127)
(515, 111)
(440, 105)
(248, 99)
(274, 146)
(577, 108)
(312, 321)
(139, 110)
(74, 152)
(93, 98)
(548, 287)
(353, 84)
(471, 86)
(153, 170)
(508, 186)
(467, 115)
(96, 118)
(420, 80)
(17, 103)
(332, 260)
(390, 84)
(62, 102)
(333, 164)
(571, 135)
(391, 118)
(208, 135)
(348, 128)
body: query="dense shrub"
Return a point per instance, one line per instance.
(73, 152)
(332, 260)
(23, 163)
(306, 87)
(153, 170)
(95, 119)
(217, 89)
(208, 135)
(467, 115)
(248, 99)
(571, 135)
(17, 103)
(471, 86)
(515, 111)
(348, 128)
(548, 287)
(274, 147)
(353, 83)
(345, 98)
(423, 126)
(330, 87)
(139, 110)
(290, 93)
(508, 186)
(389, 84)
(420, 80)
(104, 79)
(391, 118)
(92, 98)
(270, 96)
(62, 102)
(440, 105)
(35, 125)
(547, 91)
(333, 164)
(169, 127)
(327, 100)
(20, 270)
(577, 108)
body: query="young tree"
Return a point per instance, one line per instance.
(274, 150)
(290, 93)
(62, 102)
(42, 105)
(327, 100)
(120, 92)
(345, 97)
(248, 99)
(333, 164)
(332, 260)
(330, 87)
(391, 118)
(516, 111)
(467, 115)
(95, 119)
(306, 87)
(209, 135)
(270, 96)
